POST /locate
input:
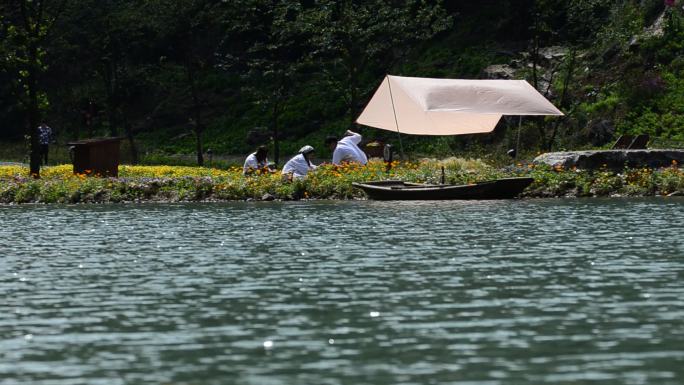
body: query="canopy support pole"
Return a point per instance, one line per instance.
(396, 122)
(517, 142)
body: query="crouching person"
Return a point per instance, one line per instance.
(256, 162)
(300, 164)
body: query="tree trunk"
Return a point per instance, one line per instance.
(200, 150)
(353, 95)
(131, 141)
(566, 83)
(196, 111)
(542, 131)
(36, 30)
(535, 57)
(32, 85)
(352, 72)
(275, 115)
(535, 82)
(77, 129)
(109, 77)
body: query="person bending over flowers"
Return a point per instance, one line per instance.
(256, 161)
(300, 164)
(347, 149)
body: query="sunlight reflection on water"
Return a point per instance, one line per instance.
(531, 291)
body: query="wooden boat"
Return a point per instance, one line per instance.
(507, 188)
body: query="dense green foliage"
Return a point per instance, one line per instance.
(183, 76)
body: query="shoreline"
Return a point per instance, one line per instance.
(176, 184)
(677, 198)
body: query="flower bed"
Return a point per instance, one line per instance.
(173, 183)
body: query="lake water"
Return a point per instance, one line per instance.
(510, 292)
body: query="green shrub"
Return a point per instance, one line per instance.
(605, 183)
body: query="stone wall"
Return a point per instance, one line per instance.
(612, 159)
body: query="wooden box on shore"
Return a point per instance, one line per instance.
(99, 157)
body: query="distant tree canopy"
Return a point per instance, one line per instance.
(136, 68)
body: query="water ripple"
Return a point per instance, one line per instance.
(534, 291)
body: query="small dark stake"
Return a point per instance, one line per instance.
(442, 179)
(387, 157)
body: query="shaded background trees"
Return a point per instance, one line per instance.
(183, 76)
(29, 27)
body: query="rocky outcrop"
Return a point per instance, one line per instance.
(657, 29)
(599, 132)
(550, 55)
(612, 159)
(547, 62)
(499, 71)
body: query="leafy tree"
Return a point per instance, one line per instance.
(28, 33)
(113, 60)
(190, 32)
(272, 52)
(10, 113)
(191, 64)
(573, 23)
(358, 41)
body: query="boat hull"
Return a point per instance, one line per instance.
(508, 188)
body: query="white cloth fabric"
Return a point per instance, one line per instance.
(252, 163)
(298, 166)
(424, 106)
(347, 150)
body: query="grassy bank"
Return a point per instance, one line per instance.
(176, 183)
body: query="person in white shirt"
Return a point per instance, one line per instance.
(347, 150)
(256, 161)
(300, 164)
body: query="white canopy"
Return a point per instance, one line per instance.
(424, 106)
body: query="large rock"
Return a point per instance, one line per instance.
(611, 159)
(599, 132)
(548, 55)
(499, 71)
(657, 29)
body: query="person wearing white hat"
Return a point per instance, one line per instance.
(300, 164)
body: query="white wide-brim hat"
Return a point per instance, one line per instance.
(306, 149)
